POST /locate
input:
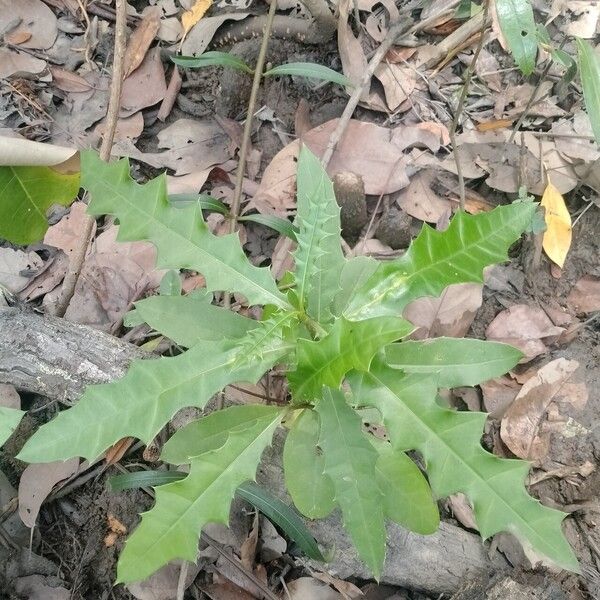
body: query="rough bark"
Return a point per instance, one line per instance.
(57, 358)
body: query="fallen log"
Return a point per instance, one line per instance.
(56, 358)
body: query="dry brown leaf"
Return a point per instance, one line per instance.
(574, 143)
(307, 587)
(585, 18)
(36, 483)
(9, 397)
(420, 200)
(33, 17)
(162, 585)
(347, 589)
(36, 587)
(354, 61)
(556, 239)
(146, 86)
(140, 40)
(225, 591)
(498, 395)
(526, 327)
(462, 510)
(171, 96)
(67, 81)
(272, 545)
(449, 315)
(192, 16)
(66, 233)
(585, 295)
(128, 128)
(47, 279)
(17, 37)
(17, 268)
(398, 83)
(522, 428)
(19, 63)
(203, 32)
(116, 452)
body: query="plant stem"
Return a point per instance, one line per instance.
(78, 257)
(460, 107)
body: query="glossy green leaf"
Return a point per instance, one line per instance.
(170, 530)
(138, 479)
(188, 320)
(304, 465)
(205, 201)
(280, 225)
(407, 498)
(354, 274)
(151, 392)
(456, 362)
(349, 345)
(589, 68)
(318, 257)
(9, 420)
(26, 195)
(180, 235)
(518, 26)
(350, 462)
(212, 58)
(437, 259)
(311, 70)
(282, 515)
(450, 443)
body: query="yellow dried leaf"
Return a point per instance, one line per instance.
(192, 16)
(557, 237)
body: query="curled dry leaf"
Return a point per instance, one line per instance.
(585, 295)
(203, 32)
(522, 428)
(526, 327)
(557, 237)
(67, 81)
(37, 481)
(140, 40)
(498, 395)
(449, 315)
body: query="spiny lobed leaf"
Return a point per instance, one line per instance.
(303, 462)
(318, 257)
(188, 320)
(180, 235)
(9, 419)
(456, 362)
(456, 462)
(140, 403)
(350, 464)
(171, 529)
(349, 345)
(437, 259)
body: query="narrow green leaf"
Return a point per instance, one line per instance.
(211, 432)
(171, 529)
(319, 258)
(303, 463)
(350, 464)
(280, 225)
(456, 362)
(188, 320)
(213, 58)
(282, 515)
(311, 70)
(26, 194)
(407, 498)
(354, 274)
(518, 26)
(437, 259)
(349, 345)
(589, 67)
(139, 404)
(205, 201)
(138, 479)
(450, 442)
(180, 235)
(9, 420)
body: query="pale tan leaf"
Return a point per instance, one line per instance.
(67, 81)
(557, 237)
(585, 295)
(192, 16)
(140, 40)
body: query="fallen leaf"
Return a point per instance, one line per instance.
(585, 21)
(192, 16)
(200, 36)
(127, 128)
(354, 61)
(116, 452)
(557, 237)
(140, 40)
(36, 483)
(19, 63)
(33, 18)
(68, 81)
(585, 295)
(498, 395)
(9, 397)
(226, 591)
(66, 233)
(273, 545)
(398, 83)
(162, 585)
(462, 511)
(17, 37)
(346, 588)
(522, 427)
(449, 315)
(17, 152)
(307, 587)
(47, 279)
(171, 96)
(146, 86)
(420, 200)
(17, 268)
(36, 587)
(526, 327)
(573, 138)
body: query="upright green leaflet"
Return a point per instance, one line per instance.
(9, 419)
(589, 65)
(518, 26)
(319, 257)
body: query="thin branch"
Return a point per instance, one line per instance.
(399, 28)
(114, 103)
(461, 105)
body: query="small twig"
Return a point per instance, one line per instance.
(78, 257)
(399, 28)
(239, 179)
(182, 577)
(460, 106)
(533, 98)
